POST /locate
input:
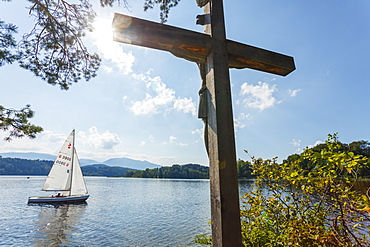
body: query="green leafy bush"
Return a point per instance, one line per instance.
(295, 206)
(308, 200)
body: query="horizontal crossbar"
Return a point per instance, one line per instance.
(195, 46)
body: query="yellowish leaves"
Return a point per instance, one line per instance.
(294, 174)
(367, 209)
(288, 217)
(364, 198)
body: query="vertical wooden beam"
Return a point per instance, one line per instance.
(225, 209)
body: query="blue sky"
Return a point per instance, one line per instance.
(143, 103)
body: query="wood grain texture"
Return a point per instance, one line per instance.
(195, 46)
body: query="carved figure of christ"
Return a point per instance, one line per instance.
(214, 55)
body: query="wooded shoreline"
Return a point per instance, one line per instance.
(17, 166)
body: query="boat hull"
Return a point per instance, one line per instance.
(61, 199)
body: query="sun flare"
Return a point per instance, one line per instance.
(111, 50)
(103, 32)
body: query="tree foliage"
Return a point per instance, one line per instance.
(164, 7)
(104, 170)
(53, 49)
(7, 42)
(189, 171)
(244, 169)
(16, 122)
(16, 166)
(311, 199)
(357, 147)
(291, 206)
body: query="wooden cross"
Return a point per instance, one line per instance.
(214, 55)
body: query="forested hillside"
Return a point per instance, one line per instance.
(175, 171)
(189, 171)
(357, 147)
(16, 166)
(104, 170)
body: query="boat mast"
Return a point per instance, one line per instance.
(73, 153)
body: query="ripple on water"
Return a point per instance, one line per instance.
(119, 212)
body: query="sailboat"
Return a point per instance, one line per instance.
(65, 177)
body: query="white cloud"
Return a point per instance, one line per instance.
(110, 49)
(316, 143)
(107, 69)
(293, 93)
(145, 107)
(198, 131)
(151, 138)
(174, 142)
(52, 137)
(296, 143)
(239, 122)
(164, 98)
(45, 142)
(172, 139)
(259, 96)
(186, 105)
(95, 139)
(141, 77)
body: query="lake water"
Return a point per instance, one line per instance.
(119, 212)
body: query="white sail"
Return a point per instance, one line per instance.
(59, 177)
(66, 176)
(78, 184)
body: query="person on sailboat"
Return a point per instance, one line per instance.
(63, 177)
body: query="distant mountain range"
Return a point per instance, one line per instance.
(29, 156)
(121, 162)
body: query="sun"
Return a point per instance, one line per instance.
(102, 34)
(103, 40)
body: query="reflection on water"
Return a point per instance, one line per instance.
(56, 223)
(245, 185)
(131, 212)
(120, 212)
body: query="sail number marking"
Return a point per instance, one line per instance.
(63, 160)
(66, 158)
